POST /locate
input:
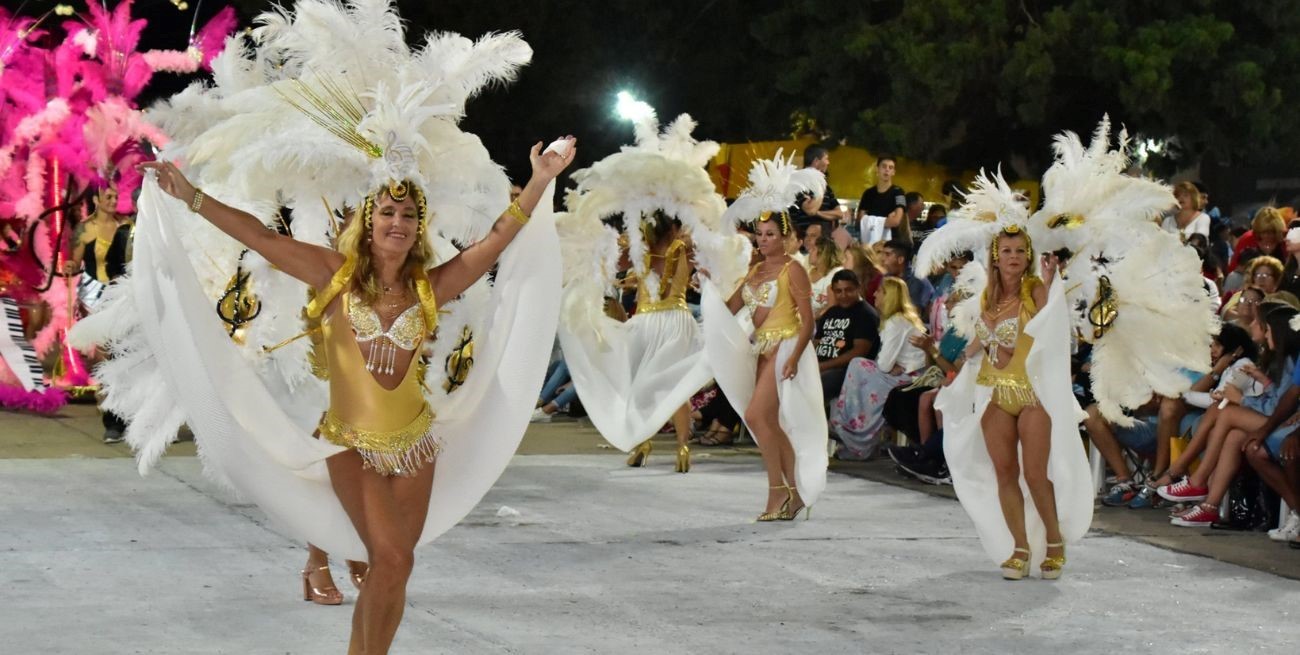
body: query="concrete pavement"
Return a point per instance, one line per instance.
(95, 559)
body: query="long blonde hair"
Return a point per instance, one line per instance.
(895, 299)
(993, 290)
(828, 255)
(865, 264)
(354, 243)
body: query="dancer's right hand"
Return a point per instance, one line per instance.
(170, 179)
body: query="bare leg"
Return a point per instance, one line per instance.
(763, 419)
(1272, 475)
(1103, 437)
(1000, 438)
(1233, 418)
(1225, 468)
(927, 417)
(1180, 466)
(385, 526)
(682, 424)
(1172, 411)
(1035, 429)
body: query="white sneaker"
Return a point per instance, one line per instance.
(1290, 528)
(540, 416)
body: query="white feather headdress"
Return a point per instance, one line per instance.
(662, 172)
(989, 207)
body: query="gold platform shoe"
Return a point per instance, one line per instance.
(1015, 568)
(1053, 567)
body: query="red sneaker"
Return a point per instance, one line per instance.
(1201, 517)
(1182, 492)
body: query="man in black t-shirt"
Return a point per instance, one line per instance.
(807, 209)
(849, 328)
(882, 206)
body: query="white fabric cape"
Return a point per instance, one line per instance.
(245, 437)
(963, 403)
(735, 367)
(635, 375)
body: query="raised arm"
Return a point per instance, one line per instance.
(303, 261)
(456, 275)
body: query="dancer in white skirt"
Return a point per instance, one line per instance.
(634, 377)
(1011, 434)
(757, 332)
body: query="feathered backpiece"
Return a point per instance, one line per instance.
(1134, 291)
(109, 39)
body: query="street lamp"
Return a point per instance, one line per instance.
(629, 108)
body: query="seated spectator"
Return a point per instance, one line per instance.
(848, 329)
(1244, 313)
(1227, 436)
(715, 417)
(1263, 273)
(1110, 440)
(1267, 228)
(897, 261)
(557, 393)
(857, 416)
(939, 312)
(1211, 269)
(865, 265)
(825, 259)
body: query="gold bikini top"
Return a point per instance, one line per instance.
(672, 295)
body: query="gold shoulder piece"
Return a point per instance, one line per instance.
(428, 303)
(337, 283)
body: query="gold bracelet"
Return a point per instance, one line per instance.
(197, 202)
(517, 213)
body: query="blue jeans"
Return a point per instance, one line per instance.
(557, 376)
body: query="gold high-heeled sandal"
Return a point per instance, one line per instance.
(357, 578)
(323, 596)
(790, 516)
(1015, 568)
(1052, 567)
(640, 454)
(683, 459)
(781, 511)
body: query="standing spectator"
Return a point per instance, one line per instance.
(1189, 219)
(897, 261)
(1221, 240)
(812, 210)
(882, 207)
(849, 328)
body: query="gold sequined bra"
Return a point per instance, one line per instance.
(406, 333)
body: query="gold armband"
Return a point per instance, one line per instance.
(197, 202)
(517, 213)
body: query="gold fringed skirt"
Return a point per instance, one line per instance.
(766, 340)
(395, 452)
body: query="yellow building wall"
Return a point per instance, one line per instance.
(852, 170)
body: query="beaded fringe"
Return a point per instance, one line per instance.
(1009, 392)
(404, 463)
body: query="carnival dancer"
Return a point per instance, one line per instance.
(1011, 434)
(633, 377)
(350, 117)
(757, 328)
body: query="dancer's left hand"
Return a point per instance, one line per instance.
(791, 367)
(547, 165)
(1051, 266)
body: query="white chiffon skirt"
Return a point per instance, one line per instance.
(636, 374)
(735, 367)
(263, 447)
(963, 403)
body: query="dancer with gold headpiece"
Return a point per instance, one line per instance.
(334, 110)
(757, 328)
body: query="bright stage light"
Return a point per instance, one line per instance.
(631, 109)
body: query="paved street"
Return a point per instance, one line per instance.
(600, 559)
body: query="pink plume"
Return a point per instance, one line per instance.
(172, 61)
(48, 401)
(31, 205)
(211, 38)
